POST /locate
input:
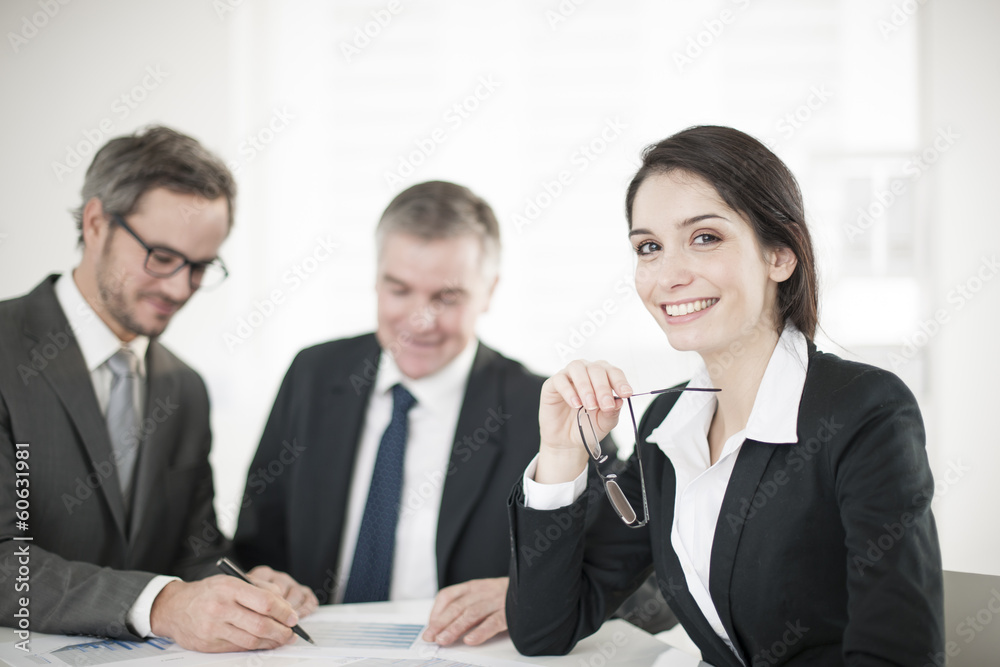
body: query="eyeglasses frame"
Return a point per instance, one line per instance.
(615, 495)
(185, 262)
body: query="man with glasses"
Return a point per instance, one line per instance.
(105, 485)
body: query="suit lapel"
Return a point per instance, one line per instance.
(332, 455)
(472, 458)
(67, 375)
(672, 582)
(749, 469)
(157, 441)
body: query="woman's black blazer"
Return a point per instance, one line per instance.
(825, 550)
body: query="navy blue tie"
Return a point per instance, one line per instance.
(371, 570)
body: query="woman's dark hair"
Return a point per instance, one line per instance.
(755, 183)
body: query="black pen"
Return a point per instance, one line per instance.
(233, 570)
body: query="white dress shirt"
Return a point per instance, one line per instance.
(431, 432)
(98, 343)
(683, 437)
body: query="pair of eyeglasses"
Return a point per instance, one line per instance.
(164, 262)
(610, 480)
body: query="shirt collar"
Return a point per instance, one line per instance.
(775, 414)
(430, 390)
(97, 342)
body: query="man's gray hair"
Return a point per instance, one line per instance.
(156, 157)
(440, 210)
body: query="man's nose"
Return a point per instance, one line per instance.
(425, 317)
(178, 286)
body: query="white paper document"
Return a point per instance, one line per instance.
(371, 642)
(62, 651)
(359, 638)
(368, 635)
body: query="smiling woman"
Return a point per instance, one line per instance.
(701, 272)
(764, 498)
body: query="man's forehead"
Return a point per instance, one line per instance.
(405, 241)
(183, 205)
(442, 283)
(434, 266)
(405, 250)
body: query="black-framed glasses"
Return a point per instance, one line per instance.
(610, 480)
(164, 262)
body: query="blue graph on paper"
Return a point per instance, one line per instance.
(110, 650)
(366, 635)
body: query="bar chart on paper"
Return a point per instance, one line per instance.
(110, 650)
(365, 635)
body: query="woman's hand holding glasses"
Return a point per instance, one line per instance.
(579, 407)
(594, 385)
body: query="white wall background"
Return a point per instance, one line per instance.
(851, 93)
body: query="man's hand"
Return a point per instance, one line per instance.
(476, 607)
(222, 614)
(302, 599)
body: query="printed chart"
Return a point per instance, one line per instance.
(365, 635)
(110, 650)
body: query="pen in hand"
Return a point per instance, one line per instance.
(233, 570)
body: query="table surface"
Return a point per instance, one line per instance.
(617, 643)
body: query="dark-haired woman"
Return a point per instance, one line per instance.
(787, 515)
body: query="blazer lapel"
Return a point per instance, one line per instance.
(747, 473)
(69, 378)
(672, 582)
(472, 461)
(331, 458)
(156, 443)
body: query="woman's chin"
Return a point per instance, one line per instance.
(684, 342)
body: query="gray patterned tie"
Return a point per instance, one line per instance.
(123, 421)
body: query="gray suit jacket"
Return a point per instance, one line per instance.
(88, 559)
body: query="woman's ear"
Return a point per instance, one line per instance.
(782, 262)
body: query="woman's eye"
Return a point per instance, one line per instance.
(705, 239)
(647, 247)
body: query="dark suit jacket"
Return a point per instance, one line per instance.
(87, 562)
(297, 489)
(825, 550)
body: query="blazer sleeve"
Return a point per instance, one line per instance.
(884, 488)
(572, 567)
(63, 596)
